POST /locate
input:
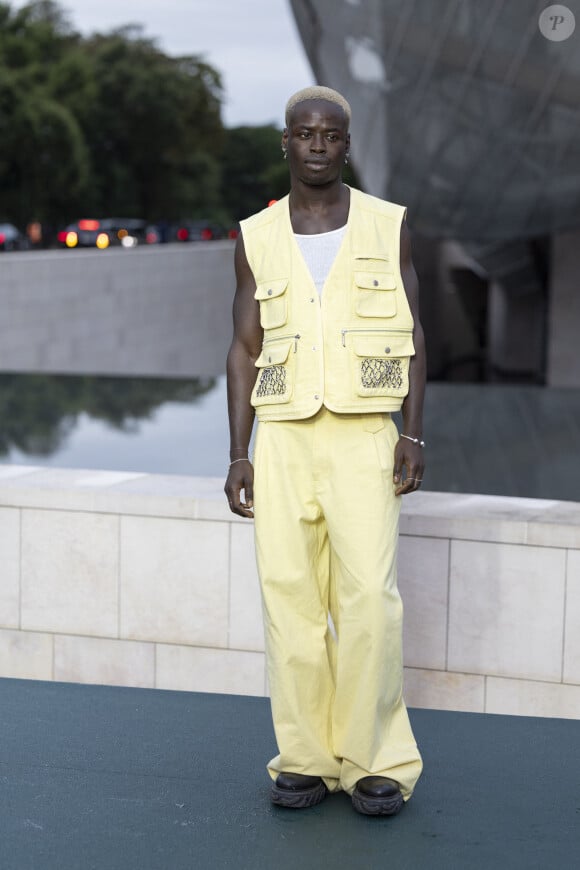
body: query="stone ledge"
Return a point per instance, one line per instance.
(493, 518)
(156, 495)
(496, 519)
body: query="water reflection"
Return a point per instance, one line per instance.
(503, 440)
(134, 424)
(500, 440)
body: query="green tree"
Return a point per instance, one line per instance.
(109, 124)
(155, 134)
(43, 158)
(253, 169)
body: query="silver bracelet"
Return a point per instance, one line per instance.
(243, 459)
(414, 440)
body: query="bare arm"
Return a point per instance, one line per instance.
(241, 372)
(409, 455)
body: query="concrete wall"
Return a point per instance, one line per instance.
(166, 311)
(563, 363)
(161, 310)
(145, 580)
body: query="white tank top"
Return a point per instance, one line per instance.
(319, 251)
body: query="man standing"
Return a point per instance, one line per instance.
(327, 343)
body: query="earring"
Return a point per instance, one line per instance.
(346, 156)
(284, 154)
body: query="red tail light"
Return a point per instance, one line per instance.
(2, 238)
(182, 234)
(88, 225)
(232, 234)
(206, 234)
(62, 236)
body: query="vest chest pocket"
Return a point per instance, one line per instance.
(375, 294)
(381, 362)
(273, 299)
(275, 382)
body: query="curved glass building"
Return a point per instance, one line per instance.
(468, 112)
(464, 110)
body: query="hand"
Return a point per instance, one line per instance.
(241, 477)
(410, 457)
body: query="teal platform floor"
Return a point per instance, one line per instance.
(105, 778)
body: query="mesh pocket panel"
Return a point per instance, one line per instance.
(272, 382)
(381, 373)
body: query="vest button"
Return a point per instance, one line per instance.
(312, 300)
(387, 350)
(375, 283)
(317, 397)
(269, 359)
(269, 292)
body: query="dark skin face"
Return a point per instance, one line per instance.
(317, 142)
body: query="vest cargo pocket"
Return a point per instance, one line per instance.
(375, 294)
(275, 382)
(273, 300)
(381, 361)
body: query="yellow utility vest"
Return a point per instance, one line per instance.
(349, 351)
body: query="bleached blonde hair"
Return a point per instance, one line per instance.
(318, 92)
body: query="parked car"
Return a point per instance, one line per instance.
(186, 231)
(127, 232)
(92, 233)
(85, 233)
(195, 231)
(154, 234)
(11, 239)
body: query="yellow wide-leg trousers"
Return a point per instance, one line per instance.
(326, 525)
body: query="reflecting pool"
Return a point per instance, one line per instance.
(501, 440)
(157, 425)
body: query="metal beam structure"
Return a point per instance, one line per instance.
(463, 110)
(469, 114)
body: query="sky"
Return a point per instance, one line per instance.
(254, 45)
